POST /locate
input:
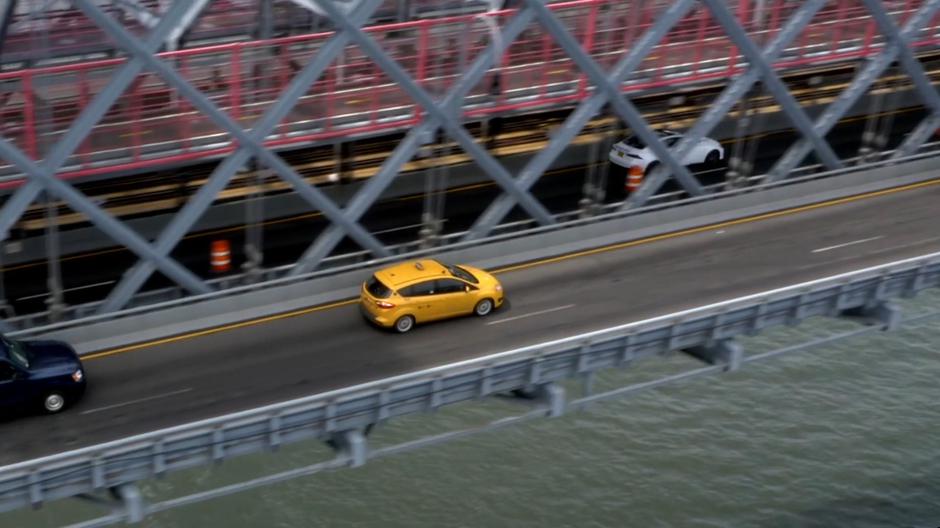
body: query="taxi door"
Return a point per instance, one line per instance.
(452, 298)
(422, 301)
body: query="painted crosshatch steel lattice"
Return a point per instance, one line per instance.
(600, 52)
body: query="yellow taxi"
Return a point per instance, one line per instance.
(420, 291)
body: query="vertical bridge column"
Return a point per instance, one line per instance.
(725, 352)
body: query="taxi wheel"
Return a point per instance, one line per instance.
(483, 307)
(404, 324)
(53, 402)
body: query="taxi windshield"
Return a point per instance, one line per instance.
(461, 273)
(16, 351)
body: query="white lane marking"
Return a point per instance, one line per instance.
(132, 402)
(540, 312)
(85, 287)
(852, 243)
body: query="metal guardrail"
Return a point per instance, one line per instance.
(707, 330)
(155, 300)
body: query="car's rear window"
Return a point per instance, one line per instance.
(635, 142)
(378, 290)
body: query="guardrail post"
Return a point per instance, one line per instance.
(726, 352)
(553, 396)
(352, 444)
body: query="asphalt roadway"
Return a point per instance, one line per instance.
(150, 387)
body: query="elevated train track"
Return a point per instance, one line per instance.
(165, 191)
(151, 127)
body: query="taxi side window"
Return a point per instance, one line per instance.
(449, 286)
(418, 290)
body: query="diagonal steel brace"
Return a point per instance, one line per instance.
(914, 69)
(407, 148)
(577, 120)
(779, 90)
(14, 208)
(249, 143)
(621, 105)
(6, 19)
(719, 109)
(917, 137)
(103, 220)
(453, 127)
(44, 176)
(859, 85)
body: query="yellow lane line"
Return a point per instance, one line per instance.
(542, 262)
(710, 227)
(216, 330)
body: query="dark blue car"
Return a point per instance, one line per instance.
(38, 375)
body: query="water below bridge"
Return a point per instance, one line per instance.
(843, 435)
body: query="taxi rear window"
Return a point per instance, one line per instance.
(378, 290)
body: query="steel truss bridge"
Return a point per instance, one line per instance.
(182, 82)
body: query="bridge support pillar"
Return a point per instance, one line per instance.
(132, 502)
(352, 444)
(551, 395)
(884, 313)
(726, 352)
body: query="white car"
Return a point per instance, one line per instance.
(632, 152)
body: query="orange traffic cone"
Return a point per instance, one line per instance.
(220, 256)
(634, 178)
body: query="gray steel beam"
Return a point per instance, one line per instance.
(859, 85)
(576, 121)
(407, 148)
(249, 144)
(719, 109)
(192, 14)
(43, 176)
(14, 208)
(917, 137)
(791, 107)
(140, 13)
(112, 227)
(621, 104)
(451, 125)
(914, 69)
(910, 63)
(312, 6)
(6, 18)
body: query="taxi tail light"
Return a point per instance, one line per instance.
(384, 304)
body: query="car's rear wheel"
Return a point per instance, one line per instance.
(404, 324)
(713, 157)
(483, 308)
(53, 402)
